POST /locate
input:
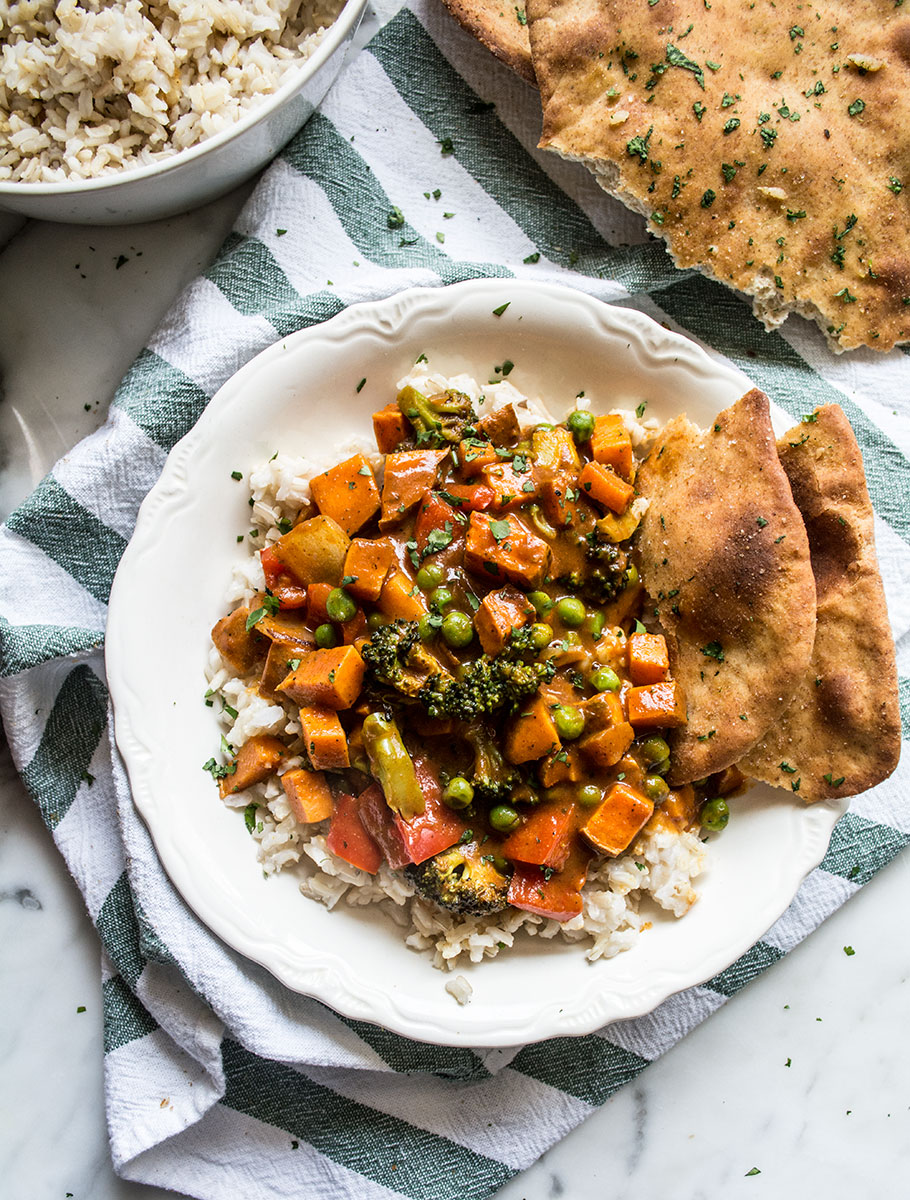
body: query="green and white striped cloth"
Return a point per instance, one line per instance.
(219, 1081)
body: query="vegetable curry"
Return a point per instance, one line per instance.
(480, 705)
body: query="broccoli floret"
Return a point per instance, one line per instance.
(462, 880)
(395, 658)
(605, 573)
(493, 780)
(488, 684)
(437, 420)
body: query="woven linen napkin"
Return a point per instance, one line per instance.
(219, 1081)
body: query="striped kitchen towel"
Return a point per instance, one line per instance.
(219, 1081)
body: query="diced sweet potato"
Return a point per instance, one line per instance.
(564, 505)
(470, 497)
(499, 613)
(326, 745)
(474, 455)
(316, 611)
(565, 766)
(241, 648)
(314, 551)
(257, 759)
(606, 747)
(501, 426)
(611, 445)
(623, 814)
(511, 488)
(648, 659)
(352, 631)
(402, 598)
(348, 493)
(531, 733)
(554, 451)
(409, 475)
(657, 705)
(308, 794)
(367, 564)
(390, 428)
(504, 548)
(544, 837)
(606, 487)
(279, 664)
(288, 627)
(330, 678)
(602, 710)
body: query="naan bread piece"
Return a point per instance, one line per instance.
(498, 27)
(841, 732)
(723, 554)
(767, 143)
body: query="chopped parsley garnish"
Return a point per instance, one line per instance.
(497, 312)
(638, 146)
(438, 539)
(760, 522)
(359, 387)
(856, 108)
(708, 198)
(713, 650)
(785, 766)
(395, 218)
(640, 410)
(795, 216)
(249, 817)
(676, 58)
(532, 258)
(500, 529)
(236, 474)
(446, 146)
(849, 951)
(733, 123)
(268, 608)
(831, 782)
(219, 770)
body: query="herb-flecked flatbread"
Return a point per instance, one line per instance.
(724, 556)
(767, 143)
(502, 28)
(841, 732)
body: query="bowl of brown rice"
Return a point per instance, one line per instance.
(133, 110)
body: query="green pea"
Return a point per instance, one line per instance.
(596, 622)
(589, 795)
(656, 789)
(375, 621)
(440, 598)
(654, 750)
(458, 793)
(660, 768)
(326, 637)
(339, 605)
(541, 635)
(605, 679)
(426, 630)
(581, 424)
(429, 576)
(457, 630)
(569, 722)
(501, 864)
(715, 814)
(541, 601)
(571, 611)
(504, 818)
(632, 575)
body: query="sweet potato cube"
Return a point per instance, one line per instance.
(316, 597)
(605, 486)
(501, 425)
(401, 598)
(257, 759)
(531, 733)
(499, 613)
(241, 648)
(308, 795)
(564, 505)
(545, 836)
(657, 705)
(285, 626)
(409, 475)
(611, 445)
(648, 660)
(602, 710)
(314, 551)
(367, 564)
(564, 766)
(390, 428)
(326, 745)
(352, 631)
(623, 814)
(511, 488)
(331, 678)
(348, 493)
(606, 747)
(279, 664)
(505, 549)
(474, 455)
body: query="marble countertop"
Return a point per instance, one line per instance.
(804, 1075)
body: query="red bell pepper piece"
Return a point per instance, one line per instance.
(557, 897)
(280, 581)
(434, 513)
(348, 837)
(544, 837)
(471, 497)
(403, 842)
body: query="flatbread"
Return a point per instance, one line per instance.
(724, 557)
(841, 732)
(499, 27)
(768, 144)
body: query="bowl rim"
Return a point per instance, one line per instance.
(343, 26)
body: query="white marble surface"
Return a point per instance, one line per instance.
(836, 1121)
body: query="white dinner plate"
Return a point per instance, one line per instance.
(300, 396)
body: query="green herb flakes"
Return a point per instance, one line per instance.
(733, 123)
(395, 218)
(446, 147)
(713, 650)
(359, 387)
(497, 312)
(708, 198)
(249, 817)
(857, 107)
(849, 951)
(270, 605)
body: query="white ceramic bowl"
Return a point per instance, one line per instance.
(204, 171)
(301, 396)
